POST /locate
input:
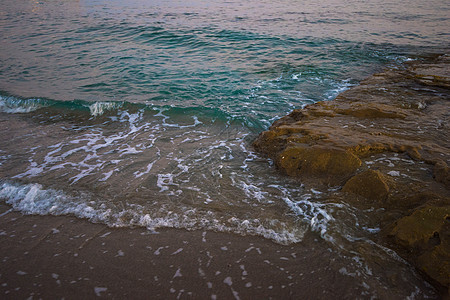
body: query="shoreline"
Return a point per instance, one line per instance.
(67, 257)
(62, 256)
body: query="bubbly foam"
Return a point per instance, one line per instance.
(99, 108)
(14, 105)
(317, 214)
(173, 170)
(168, 174)
(35, 199)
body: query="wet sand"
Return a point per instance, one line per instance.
(52, 257)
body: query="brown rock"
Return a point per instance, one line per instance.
(372, 111)
(434, 74)
(369, 184)
(427, 232)
(329, 165)
(441, 173)
(418, 228)
(436, 263)
(374, 117)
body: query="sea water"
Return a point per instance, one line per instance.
(142, 113)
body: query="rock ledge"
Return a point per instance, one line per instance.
(387, 143)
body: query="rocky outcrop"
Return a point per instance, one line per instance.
(386, 142)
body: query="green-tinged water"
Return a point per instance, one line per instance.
(142, 113)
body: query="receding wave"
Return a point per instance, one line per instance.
(35, 199)
(182, 167)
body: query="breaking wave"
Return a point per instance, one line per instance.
(35, 199)
(13, 105)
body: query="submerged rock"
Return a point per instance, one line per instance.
(387, 142)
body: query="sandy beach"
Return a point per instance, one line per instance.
(63, 257)
(48, 257)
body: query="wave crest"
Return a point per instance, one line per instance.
(99, 108)
(14, 105)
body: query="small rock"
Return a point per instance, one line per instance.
(370, 184)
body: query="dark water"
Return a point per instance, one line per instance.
(142, 113)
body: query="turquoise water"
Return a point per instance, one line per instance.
(142, 113)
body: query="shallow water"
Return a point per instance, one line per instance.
(138, 113)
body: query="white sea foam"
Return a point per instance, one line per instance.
(138, 174)
(318, 214)
(175, 125)
(177, 273)
(14, 105)
(228, 281)
(178, 251)
(99, 290)
(338, 87)
(252, 191)
(394, 173)
(90, 152)
(164, 180)
(106, 175)
(99, 108)
(153, 165)
(35, 199)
